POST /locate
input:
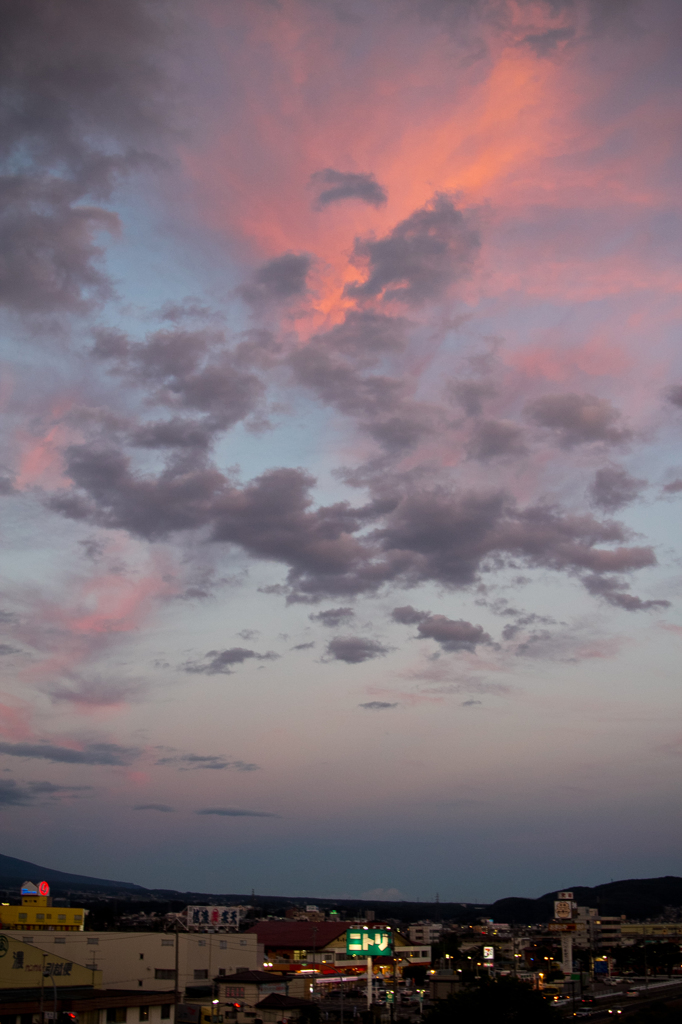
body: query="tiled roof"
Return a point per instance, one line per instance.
(298, 934)
(276, 1002)
(248, 978)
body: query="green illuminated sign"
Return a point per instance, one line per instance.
(368, 942)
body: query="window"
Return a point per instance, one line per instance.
(163, 974)
(140, 983)
(243, 942)
(60, 938)
(78, 917)
(165, 1011)
(201, 942)
(116, 1014)
(425, 952)
(167, 942)
(40, 917)
(23, 917)
(144, 1013)
(141, 956)
(221, 971)
(200, 975)
(61, 917)
(93, 942)
(223, 943)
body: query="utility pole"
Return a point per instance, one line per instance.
(370, 980)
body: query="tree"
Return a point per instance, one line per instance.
(505, 1001)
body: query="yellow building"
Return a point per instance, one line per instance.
(36, 912)
(24, 966)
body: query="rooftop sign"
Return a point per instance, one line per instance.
(368, 942)
(29, 889)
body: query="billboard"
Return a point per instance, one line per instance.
(368, 942)
(563, 910)
(489, 953)
(564, 895)
(213, 917)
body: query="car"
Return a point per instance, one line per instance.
(615, 1009)
(582, 1013)
(632, 993)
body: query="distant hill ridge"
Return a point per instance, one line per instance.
(14, 871)
(637, 898)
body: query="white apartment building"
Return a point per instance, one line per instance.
(149, 960)
(424, 932)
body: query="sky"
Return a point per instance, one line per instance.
(340, 455)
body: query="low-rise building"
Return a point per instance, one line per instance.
(35, 980)
(36, 912)
(152, 961)
(424, 932)
(292, 945)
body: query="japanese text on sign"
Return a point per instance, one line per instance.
(213, 917)
(368, 943)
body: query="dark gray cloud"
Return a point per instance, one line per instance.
(173, 433)
(420, 258)
(333, 616)
(236, 812)
(407, 615)
(184, 369)
(471, 395)
(7, 649)
(613, 488)
(303, 647)
(417, 534)
(578, 419)
(222, 662)
(279, 279)
(153, 807)
(190, 762)
(334, 186)
(354, 649)
(90, 753)
(614, 591)
(453, 634)
(674, 487)
(378, 705)
(544, 43)
(82, 89)
(48, 256)
(493, 438)
(16, 794)
(470, 703)
(674, 395)
(332, 366)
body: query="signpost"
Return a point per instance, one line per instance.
(369, 942)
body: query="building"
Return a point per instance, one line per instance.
(24, 965)
(149, 960)
(245, 995)
(424, 932)
(34, 981)
(292, 945)
(37, 913)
